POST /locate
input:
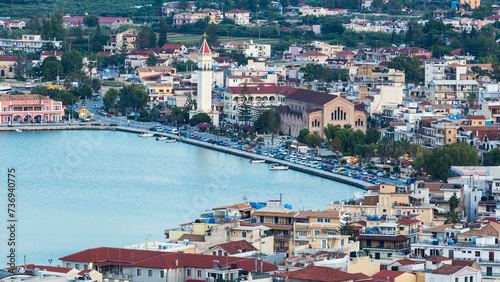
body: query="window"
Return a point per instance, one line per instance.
(320, 219)
(68, 265)
(56, 108)
(188, 272)
(138, 272)
(401, 228)
(85, 266)
(471, 279)
(199, 273)
(466, 279)
(4, 109)
(244, 234)
(162, 273)
(316, 232)
(150, 273)
(77, 266)
(456, 279)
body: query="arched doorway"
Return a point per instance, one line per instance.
(38, 119)
(2, 73)
(17, 119)
(28, 118)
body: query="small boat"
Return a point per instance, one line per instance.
(168, 140)
(257, 161)
(161, 138)
(18, 130)
(278, 167)
(146, 134)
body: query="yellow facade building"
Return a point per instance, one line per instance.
(158, 93)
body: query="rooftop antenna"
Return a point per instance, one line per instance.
(281, 199)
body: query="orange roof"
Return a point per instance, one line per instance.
(438, 259)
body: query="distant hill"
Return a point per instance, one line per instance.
(25, 8)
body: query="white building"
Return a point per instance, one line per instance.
(28, 43)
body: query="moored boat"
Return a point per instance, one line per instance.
(278, 167)
(146, 134)
(257, 161)
(169, 140)
(161, 138)
(18, 130)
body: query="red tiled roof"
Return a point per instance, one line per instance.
(317, 273)
(236, 247)
(240, 207)
(408, 221)
(8, 58)
(83, 272)
(407, 262)
(448, 269)
(437, 259)
(43, 267)
(204, 48)
(171, 46)
(140, 258)
(52, 53)
(383, 275)
(237, 11)
(269, 88)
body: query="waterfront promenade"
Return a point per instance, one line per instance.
(229, 150)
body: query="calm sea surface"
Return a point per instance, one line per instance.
(86, 189)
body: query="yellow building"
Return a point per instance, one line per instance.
(476, 120)
(316, 230)
(392, 201)
(214, 16)
(158, 93)
(473, 4)
(7, 65)
(280, 220)
(192, 228)
(258, 235)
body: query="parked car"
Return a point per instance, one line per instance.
(109, 115)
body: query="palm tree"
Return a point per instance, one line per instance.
(472, 98)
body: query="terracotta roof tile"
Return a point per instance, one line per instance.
(236, 247)
(316, 273)
(448, 269)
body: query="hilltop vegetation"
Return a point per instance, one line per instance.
(25, 8)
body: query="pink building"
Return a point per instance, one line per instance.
(184, 18)
(33, 108)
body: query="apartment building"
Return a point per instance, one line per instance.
(28, 43)
(280, 220)
(441, 91)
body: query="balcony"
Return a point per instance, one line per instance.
(117, 276)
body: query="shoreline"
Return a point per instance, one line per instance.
(313, 171)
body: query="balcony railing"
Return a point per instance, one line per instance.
(117, 276)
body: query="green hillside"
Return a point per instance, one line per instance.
(25, 8)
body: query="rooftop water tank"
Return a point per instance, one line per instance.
(288, 206)
(375, 229)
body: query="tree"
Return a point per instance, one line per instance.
(91, 21)
(346, 226)
(96, 85)
(71, 62)
(51, 67)
(200, 118)
(21, 65)
(244, 108)
(330, 132)
(372, 135)
(212, 37)
(162, 34)
(109, 99)
(452, 216)
(303, 133)
(133, 96)
(152, 60)
(410, 66)
(66, 98)
(492, 158)
(437, 161)
(152, 39)
(332, 25)
(313, 140)
(472, 98)
(267, 122)
(86, 91)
